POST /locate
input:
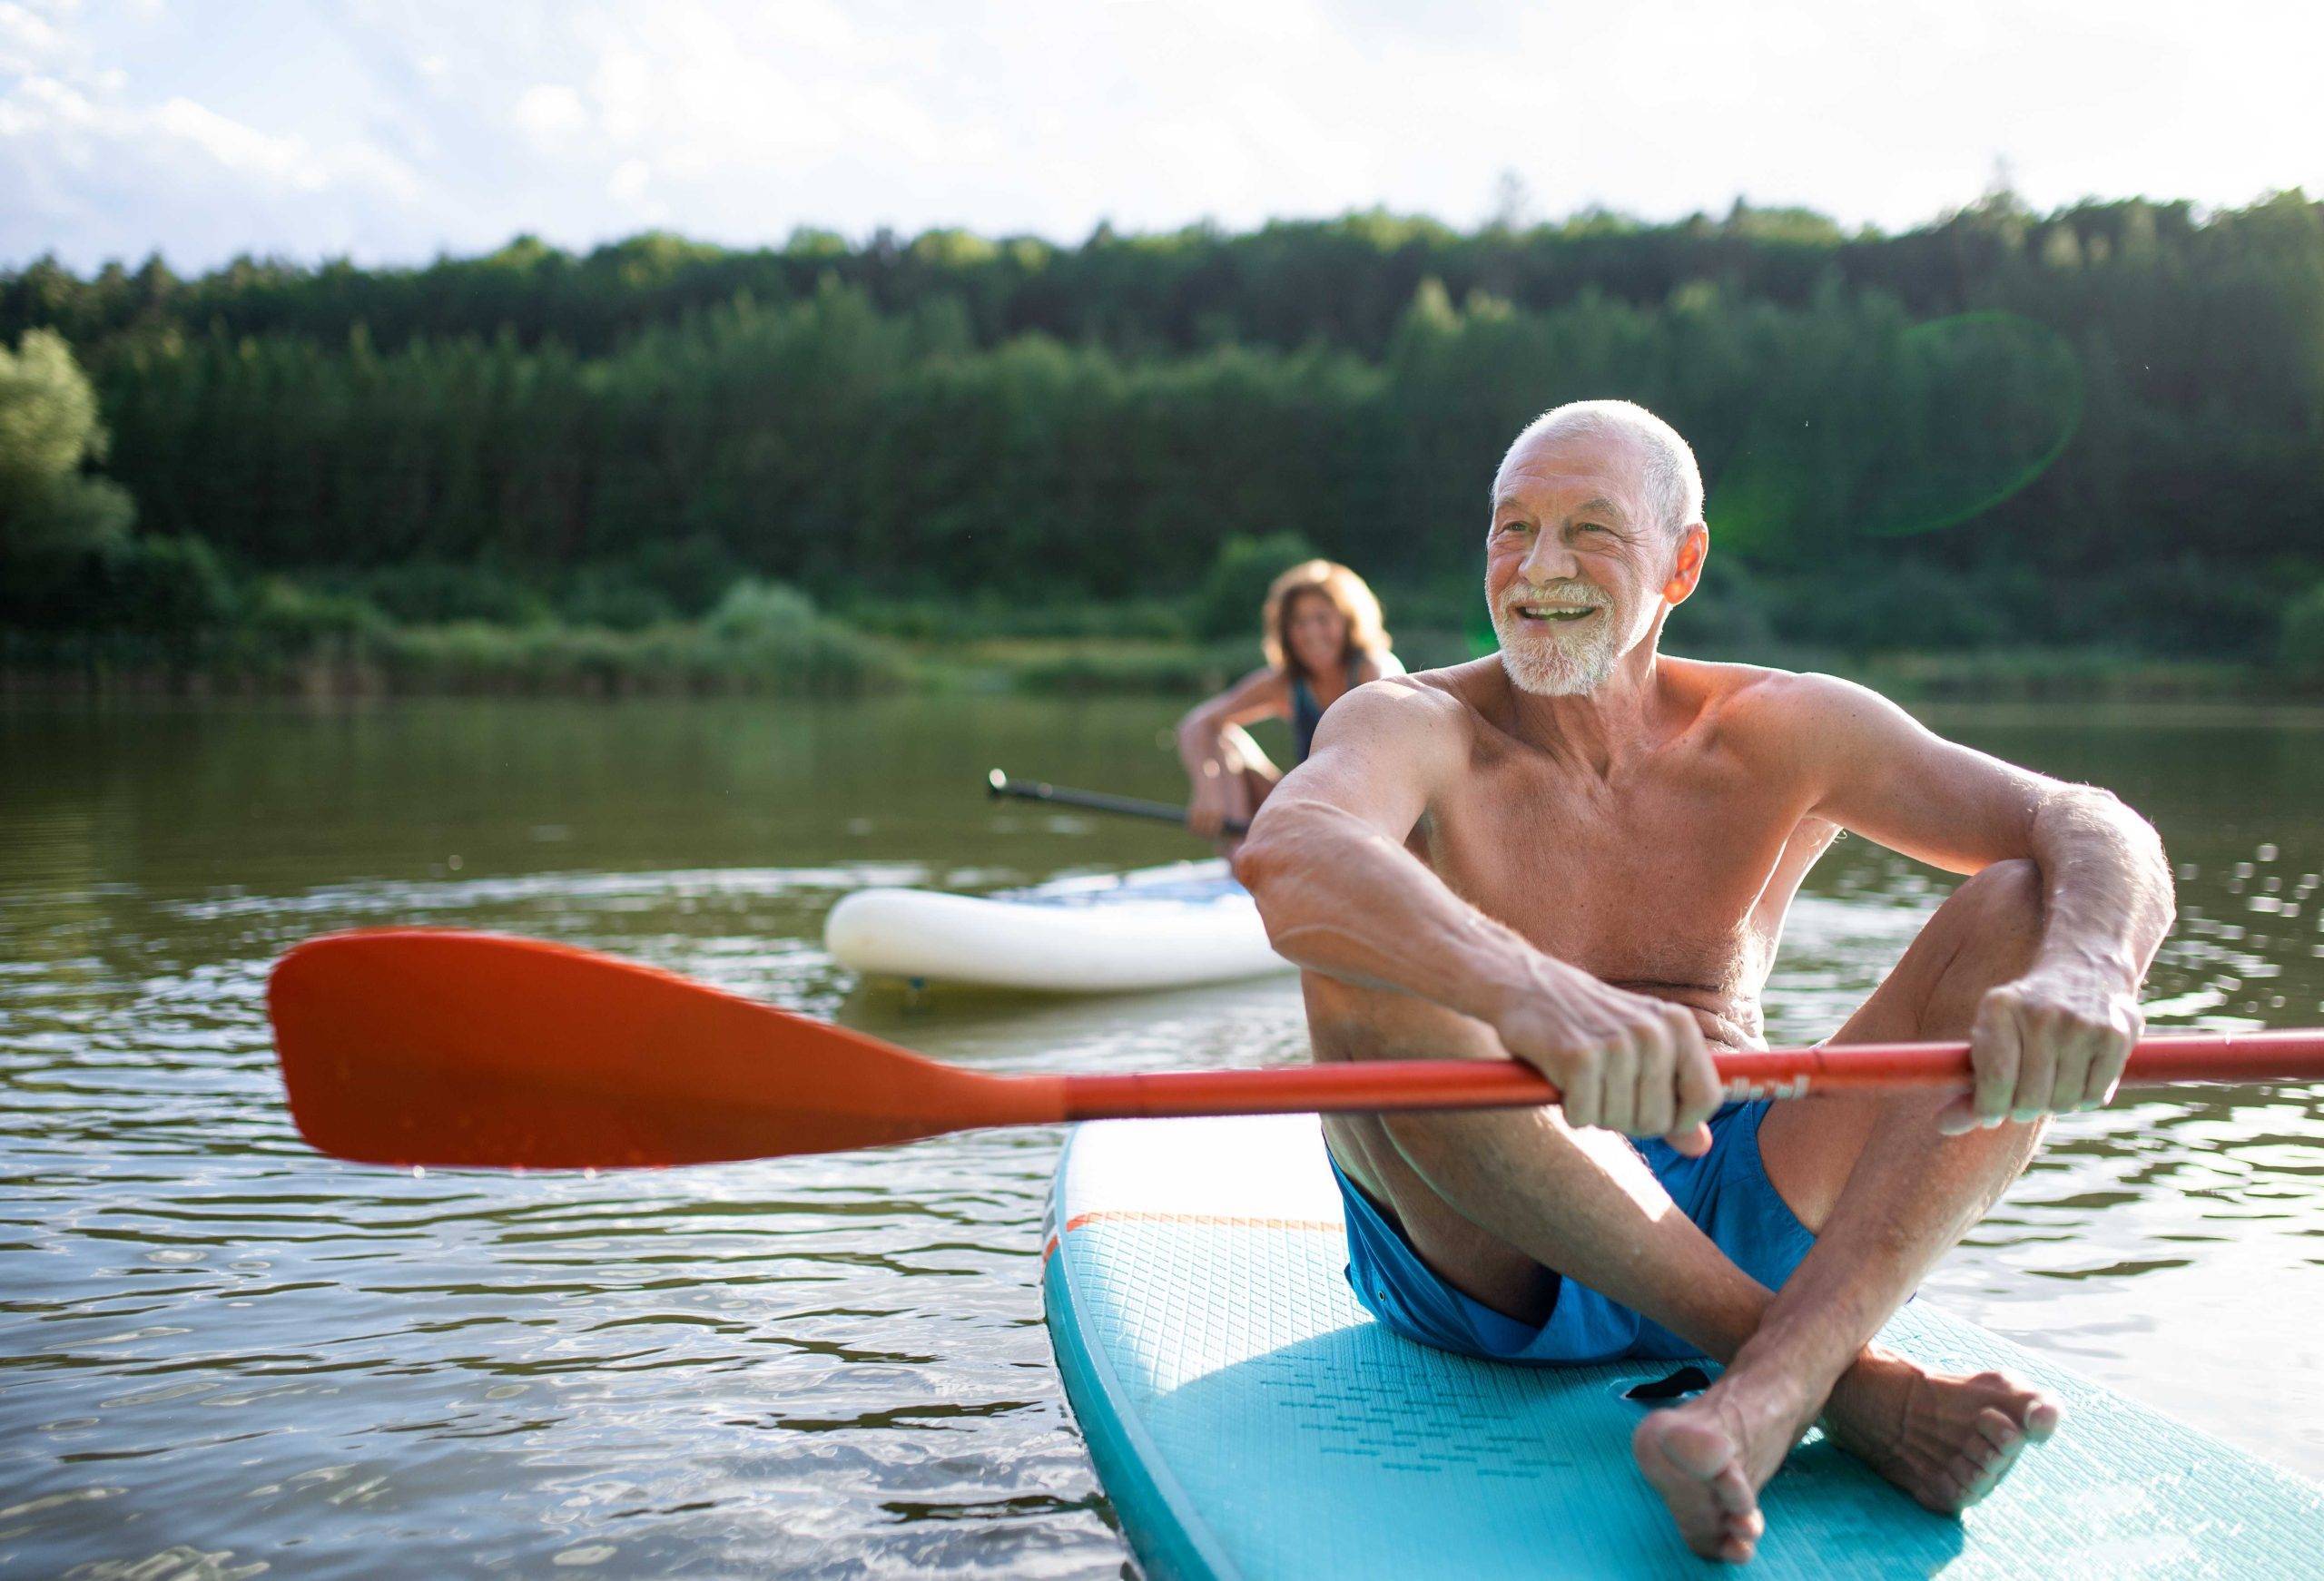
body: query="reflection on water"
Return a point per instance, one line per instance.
(218, 1352)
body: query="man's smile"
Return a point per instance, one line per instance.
(1548, 611)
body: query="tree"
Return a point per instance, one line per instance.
(48, 431)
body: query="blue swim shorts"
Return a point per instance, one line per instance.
(1726, 1193)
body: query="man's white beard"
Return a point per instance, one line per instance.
(1548, 660)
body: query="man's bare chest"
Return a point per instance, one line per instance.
(1668, 875)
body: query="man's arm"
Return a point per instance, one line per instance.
(2055, 1040)
(1341, 895)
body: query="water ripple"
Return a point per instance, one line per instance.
(220, 1355)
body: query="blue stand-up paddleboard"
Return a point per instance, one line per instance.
(1249, 1419)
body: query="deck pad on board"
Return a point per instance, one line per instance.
(1178, 883)
(1249, 1418)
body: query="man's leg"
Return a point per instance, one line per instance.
(1493, 1199)
(1887, 1194)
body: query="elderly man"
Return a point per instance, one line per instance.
(1578, 853)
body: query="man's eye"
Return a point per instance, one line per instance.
(1507, 528)
(1592, 527)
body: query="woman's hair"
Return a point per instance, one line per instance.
(1348, 594)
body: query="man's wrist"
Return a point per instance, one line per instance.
(1522, 977)
(2102, 969)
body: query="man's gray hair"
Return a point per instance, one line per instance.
(1672, 482)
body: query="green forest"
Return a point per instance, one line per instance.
(2086, 444)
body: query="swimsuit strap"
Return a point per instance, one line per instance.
(1306, 713)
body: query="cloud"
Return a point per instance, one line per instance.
(393, 131)
(105, 173)
(28, 41)
(104, 178)
(629, 180)
(549, 115)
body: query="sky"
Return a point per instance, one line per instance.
(392, 132)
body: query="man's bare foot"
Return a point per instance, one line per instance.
(1947, 1439)
(1709, 1458)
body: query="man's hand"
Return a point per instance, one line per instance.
(2048, 1042)
(1622, 1060)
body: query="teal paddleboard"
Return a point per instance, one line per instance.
(1249, 1419)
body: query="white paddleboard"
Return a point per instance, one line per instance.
(1158, 927)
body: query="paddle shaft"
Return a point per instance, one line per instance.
(1096, 801)
(428, 1047)
(1461, 1083)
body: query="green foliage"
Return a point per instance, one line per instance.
(2301, 647)
(431, 591)
(690, 573)
(762, 611)
(172, 588)
(763, 639)
(1346, 282)
(1432, 647)
(1874, 607)
(988, 616)
(1234, 593)
(1996, 431)
(601, 596)
(1180, 671)
(48, 413)
(48, 430)
(167, 585)
(1728, 617)
(775, 631)
(291, 618)
(2048, 675)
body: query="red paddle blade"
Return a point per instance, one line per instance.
(414, 1046)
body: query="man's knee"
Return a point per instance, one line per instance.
(2005, 895)
(1995, 919)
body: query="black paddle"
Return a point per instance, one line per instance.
(1096, 801)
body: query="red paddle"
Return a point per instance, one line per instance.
(416, 1046)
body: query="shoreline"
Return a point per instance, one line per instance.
(1129, 668)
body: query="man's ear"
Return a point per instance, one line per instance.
(1687, 569)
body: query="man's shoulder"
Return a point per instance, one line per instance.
(1397, 704)
(1426, 704)
(1764, 688)
(1754, 702)
(1421, 687)
(1456, 687)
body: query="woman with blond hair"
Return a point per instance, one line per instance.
(1322, 633)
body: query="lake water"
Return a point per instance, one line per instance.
(221, 1355)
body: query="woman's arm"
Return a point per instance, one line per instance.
(1203, 743)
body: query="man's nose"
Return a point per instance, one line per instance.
(1550, 560)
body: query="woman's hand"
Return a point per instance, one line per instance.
(1208, 812)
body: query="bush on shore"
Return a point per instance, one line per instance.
(2300, 648)
(275, 633)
